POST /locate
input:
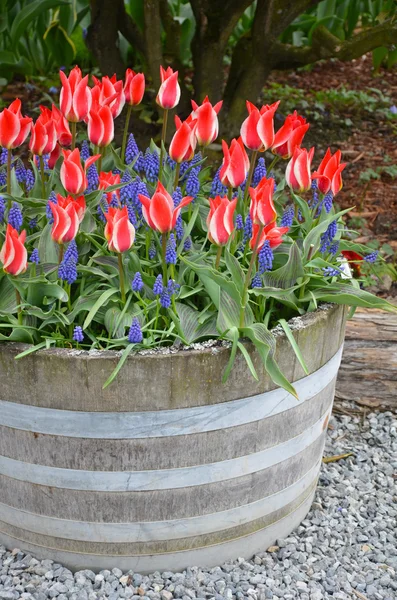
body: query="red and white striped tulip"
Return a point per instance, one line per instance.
(44, 135)
(159, 211)
(169, 92)
(298, 171)
(206, 115)
(108, 91)
(134, 87)
(265, 126)
(119, 231)
(13, 254)
(272, 233)
(61, 125)
(68, 213)
(329, 173)
(106, 180)
(100, 126)
(73, 174)
(55, 154)
(183, 144)
(235, 163)
(14, 128)
(262, 210)
(220, 220)
(290, 135)
(75, 98)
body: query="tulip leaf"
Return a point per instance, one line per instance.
(313, 237)
(27, 15)
(229, 313)
(266, 345)
(294, 345)
(47, 248)
(235, 270)
(124, 356)
(116, 321)
(103, 298)
(7, 297)
(233, 335)
(44, 293)
(343, 293)
(223, 282)
(285, 277)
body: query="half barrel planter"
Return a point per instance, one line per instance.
(167, 467)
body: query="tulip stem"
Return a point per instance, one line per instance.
(218, 257)
(42, 176)
(60, 253)
(177, 170)
(125, 134)
(273, 164)
(162, 143)
(164, 251)
(250, 174)
(230, 192)
(19, 300)
(248, 276)
(9, 156)
(73, 126)
(121, 273)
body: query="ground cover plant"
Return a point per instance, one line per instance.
(120, 248)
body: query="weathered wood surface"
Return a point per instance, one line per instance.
(368, 373)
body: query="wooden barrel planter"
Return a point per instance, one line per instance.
(167, 467)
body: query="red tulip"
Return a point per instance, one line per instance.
(108, 92)
(73, 175)
(159, 212)
(220, 220)
(55, 154)
(206, 116)
(100, 127)
(272, 233)
(329, 173)
(44, 136)
(62, 126)
(169, 92)
(353, 258)
(14, 128)
(13, 254)
(290, 135)
(106, 180)
(134, 87)
(75, 97)
(119, 231)
(68, 213)
(298, 171)
(262, 211)
(235, 163)
(183, 144)
(265, 125)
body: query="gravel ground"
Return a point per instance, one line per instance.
(345, 549)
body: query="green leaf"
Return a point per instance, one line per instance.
(266, 345)
(294, 344)
(103, 298)
(343, 293)
(188, 319)
(122, 360)
(222, 281)
(233, 336)
(248, 360)
(44, 293)
(27, 15)
(19, 334)
(59, 44)
(188, 228)
(48, 249)
(31, 350)
(235, 270)
(313, 237)
(286, 276)
(116, 321)
(8, 304)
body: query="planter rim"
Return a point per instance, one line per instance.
(303, 321)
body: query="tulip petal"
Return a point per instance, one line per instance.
(123, 235)
(161, 213)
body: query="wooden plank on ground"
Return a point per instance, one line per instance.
(368, 373)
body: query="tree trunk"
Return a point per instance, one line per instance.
(103, 36)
